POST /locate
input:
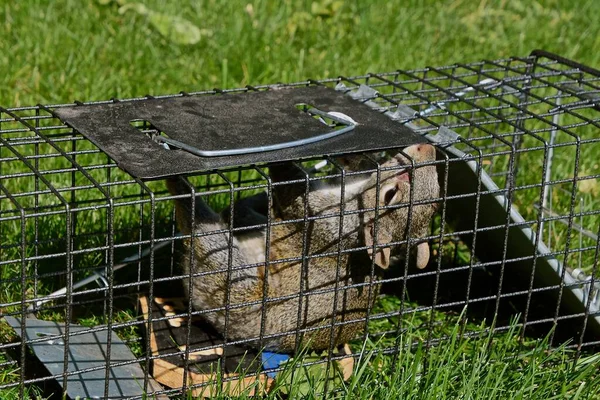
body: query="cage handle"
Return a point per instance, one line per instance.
(340, 118)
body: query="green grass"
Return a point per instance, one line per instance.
(59, 51)
(493, 366)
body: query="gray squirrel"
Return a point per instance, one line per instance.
(327, 277)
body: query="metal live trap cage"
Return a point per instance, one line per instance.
(470, 189)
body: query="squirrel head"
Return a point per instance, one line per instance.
(397, 179)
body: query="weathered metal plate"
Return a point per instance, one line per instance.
(230, 121)
(85, 351)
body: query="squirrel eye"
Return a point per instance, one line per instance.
(389, 195)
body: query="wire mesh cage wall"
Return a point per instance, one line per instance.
(90, 251)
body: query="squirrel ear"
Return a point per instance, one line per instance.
(422, 255)
(382, 255)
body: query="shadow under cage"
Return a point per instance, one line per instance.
(221, 240)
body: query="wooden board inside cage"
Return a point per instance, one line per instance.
(242, 371)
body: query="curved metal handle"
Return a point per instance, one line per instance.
(259, 149)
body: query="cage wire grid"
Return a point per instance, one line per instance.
(70, 218)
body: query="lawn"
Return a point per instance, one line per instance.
(60, 51)
(54, 52)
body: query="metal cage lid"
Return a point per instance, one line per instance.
(192, 134)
